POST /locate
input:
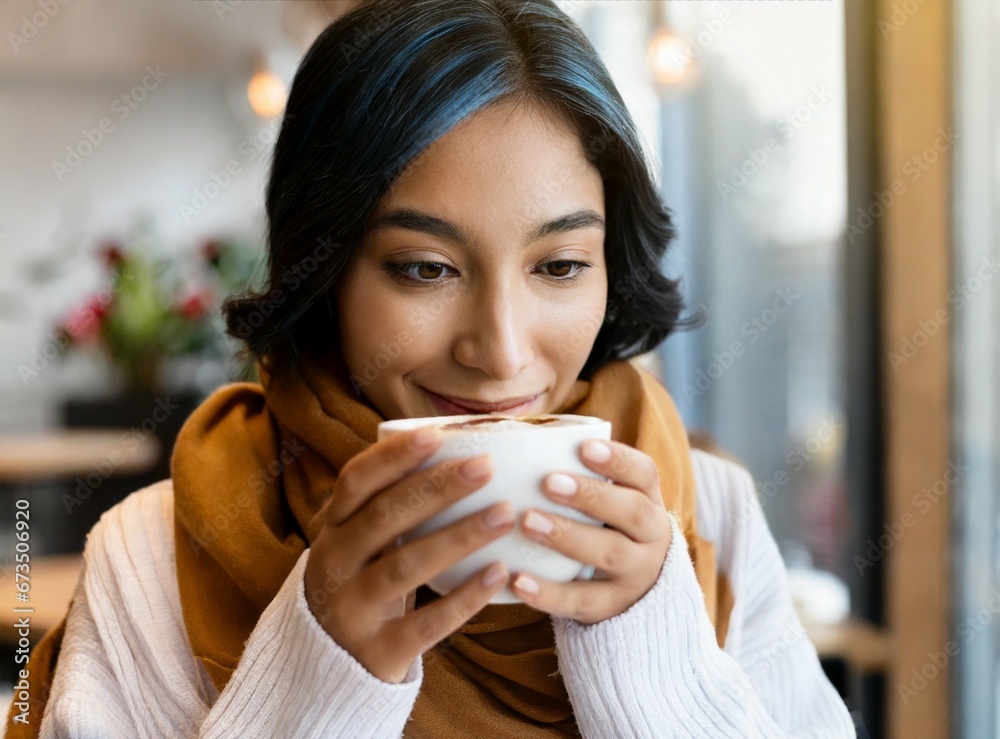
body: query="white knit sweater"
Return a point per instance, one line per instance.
(126, 668)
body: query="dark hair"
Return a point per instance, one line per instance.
(382, 83)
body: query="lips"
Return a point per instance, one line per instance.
(456, 406)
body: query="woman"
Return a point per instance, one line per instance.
(460, 220)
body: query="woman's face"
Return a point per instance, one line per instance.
(482, 274)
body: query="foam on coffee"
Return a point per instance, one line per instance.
(507, 423)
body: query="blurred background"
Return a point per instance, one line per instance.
(834, 170)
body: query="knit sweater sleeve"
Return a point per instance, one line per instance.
(126, 668)
(657, 669)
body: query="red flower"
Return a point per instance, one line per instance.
(112, 254)
(195, 306)
(84, 322)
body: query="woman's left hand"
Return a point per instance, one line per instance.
(628, 552)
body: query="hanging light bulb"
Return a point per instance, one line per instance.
(267, 94)
(670, 58)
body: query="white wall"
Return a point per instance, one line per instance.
(160, 144)
(151, 163)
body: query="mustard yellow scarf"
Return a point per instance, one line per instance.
(253, 465)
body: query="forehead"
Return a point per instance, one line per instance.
(521, 158)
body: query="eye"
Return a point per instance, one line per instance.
(429, 273)
(428, 270)
(425, 271)
(577, 269)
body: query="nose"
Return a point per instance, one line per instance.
(498, 333)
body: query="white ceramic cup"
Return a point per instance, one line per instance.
(522, 454)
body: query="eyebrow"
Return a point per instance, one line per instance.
(415, 220)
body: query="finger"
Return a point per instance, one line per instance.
(605, 549)
(625, 465)
(577, 599)
(411, 501)
(377, 467)
(387, 548)
(629, 510)
(420, 630)
(406, 568)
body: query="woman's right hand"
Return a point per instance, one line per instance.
(360, 585)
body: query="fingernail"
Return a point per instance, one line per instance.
(597, 451)
(494, 574)
(424, 437)
(527, 584)
(561, 484)
(499, 516)
(538, 523)
(477, 468)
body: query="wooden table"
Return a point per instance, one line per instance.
(868, 648)
(53, 580)
(62, 453)
(75, 452)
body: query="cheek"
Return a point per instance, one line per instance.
(572, 325)
(364, 318)
(393, 329)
